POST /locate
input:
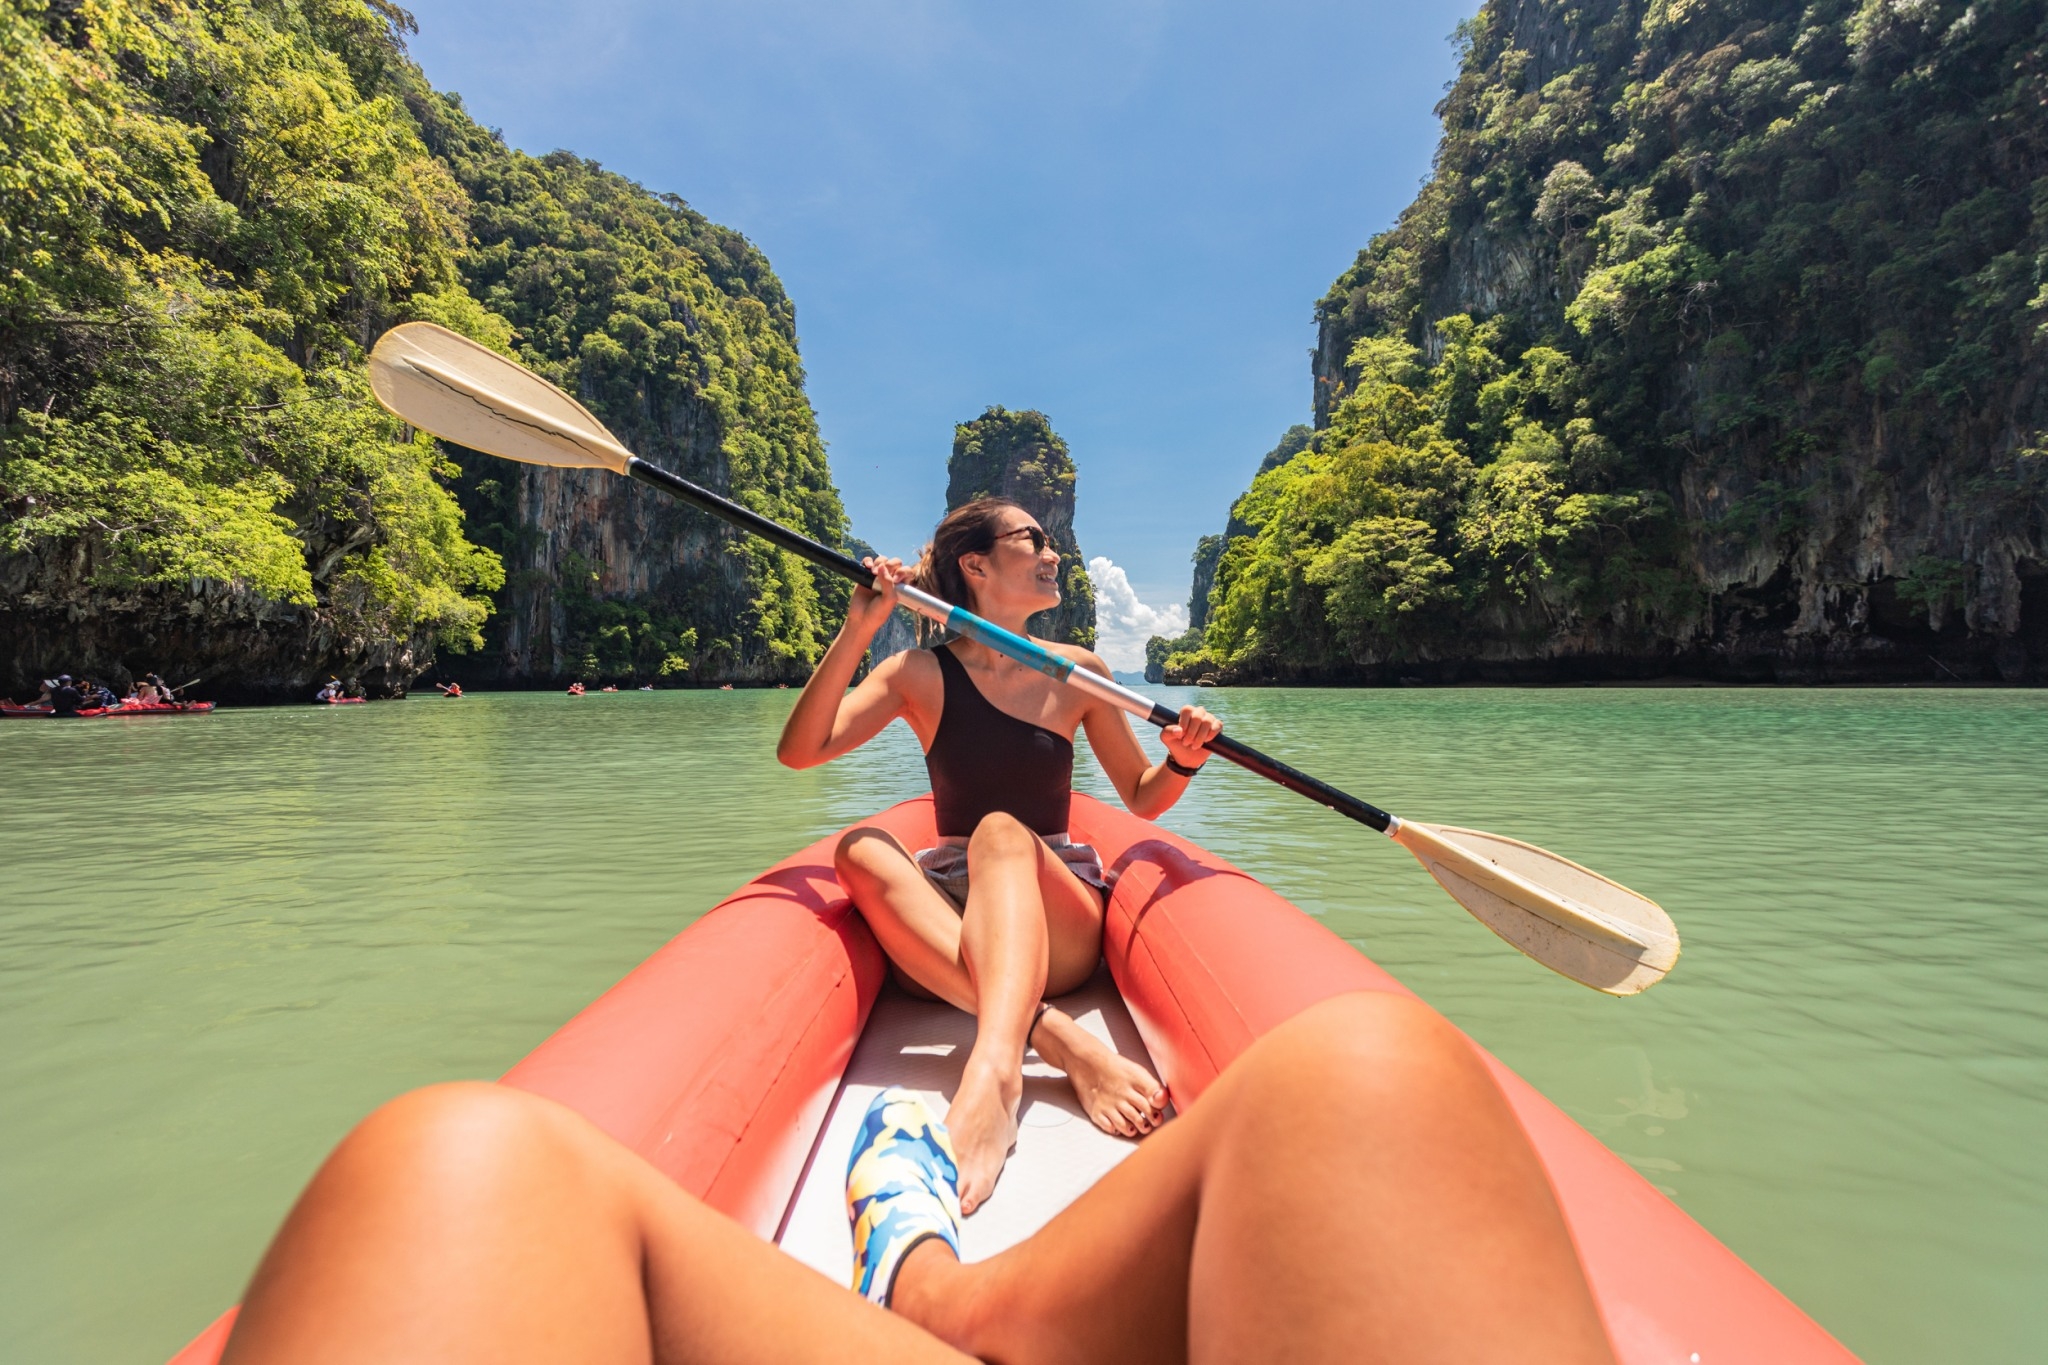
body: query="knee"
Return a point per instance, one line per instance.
(1001, 836)
(863, 850)
(1365, 1045)
(457, 1126)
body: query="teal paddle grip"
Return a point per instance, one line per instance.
(1027, 652)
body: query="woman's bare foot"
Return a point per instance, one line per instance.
(983, 1122)
(1118, 1094)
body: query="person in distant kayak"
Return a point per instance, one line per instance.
(146, 694)
(66, 697)
(1006, 910)
(1354, 1186)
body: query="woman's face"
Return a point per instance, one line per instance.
(1013, 575)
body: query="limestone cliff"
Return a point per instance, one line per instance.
(1208, 557)
(1715, 345)
(1017, 455)
(676, 333)
(231, 203)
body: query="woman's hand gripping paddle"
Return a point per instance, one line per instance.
(1574, 921)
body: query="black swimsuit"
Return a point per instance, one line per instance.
(984, 759)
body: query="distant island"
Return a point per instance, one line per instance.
(1717, 344)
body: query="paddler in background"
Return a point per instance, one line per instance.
(65, 697)
(1007, 910)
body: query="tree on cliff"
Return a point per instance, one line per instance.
(1716, 340)
(679, 336)
(207, 214)
(1017, 455)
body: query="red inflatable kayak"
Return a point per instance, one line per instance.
(737, 1058)
(176, 708)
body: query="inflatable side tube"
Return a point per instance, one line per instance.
(1208, 959)
(717, 1058)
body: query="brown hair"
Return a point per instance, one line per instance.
(968, 529)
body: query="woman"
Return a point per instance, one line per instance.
(1006, 910)
(1353, 1187)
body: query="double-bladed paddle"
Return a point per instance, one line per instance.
(1572, 920)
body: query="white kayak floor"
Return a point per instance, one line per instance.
(921, 1045)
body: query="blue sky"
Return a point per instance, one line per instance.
(1119, 212)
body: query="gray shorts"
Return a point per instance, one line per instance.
(946, 867)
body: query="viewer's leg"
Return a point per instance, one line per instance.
(476, 1223)
(930, 943)
(1354, 1187)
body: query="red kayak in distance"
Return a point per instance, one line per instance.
(340, 701)
(176, 708)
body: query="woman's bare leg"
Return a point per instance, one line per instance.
(476, 1223)
(1031, 928)
(1354, 1187)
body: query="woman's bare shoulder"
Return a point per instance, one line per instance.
(1086, 658)
(912, 673)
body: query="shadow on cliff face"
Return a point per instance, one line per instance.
(2024, 657)
(240, 648)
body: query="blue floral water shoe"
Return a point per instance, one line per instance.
(902, 1186)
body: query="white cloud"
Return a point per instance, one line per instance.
(1122, 622)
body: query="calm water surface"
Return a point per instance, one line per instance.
(223, 940)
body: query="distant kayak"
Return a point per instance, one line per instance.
(178, 708)
(340, 701)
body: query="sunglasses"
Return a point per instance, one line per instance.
(1039, 539)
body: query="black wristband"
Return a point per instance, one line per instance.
(1183, 769)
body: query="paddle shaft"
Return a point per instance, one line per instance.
(1027, 652)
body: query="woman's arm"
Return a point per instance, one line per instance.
(829, 721)
(1148, 788)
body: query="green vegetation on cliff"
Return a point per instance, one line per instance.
(1717, 337)
(208, 211)
(1017, 455)
(676, 333)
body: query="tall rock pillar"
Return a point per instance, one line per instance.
(1017, 455)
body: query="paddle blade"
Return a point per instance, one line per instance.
(444, 383)
(1570, 918)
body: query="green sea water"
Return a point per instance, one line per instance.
(224, 939)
